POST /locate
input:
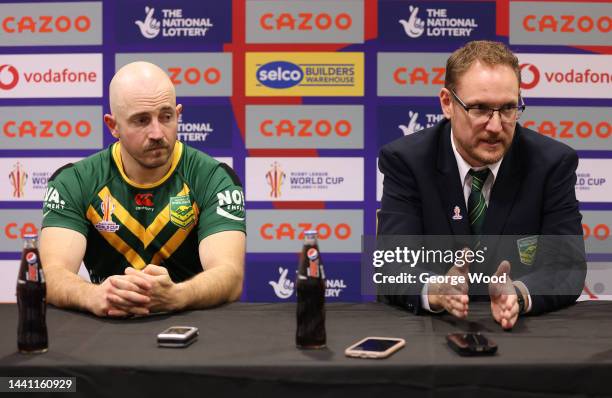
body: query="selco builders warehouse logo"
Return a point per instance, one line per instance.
(51, 24)
(42, 76)
(304, 21)
(560, 23)
(179, 21)
(566, 75)
(594, 180)
(435, 23)
(304, 74)
(299, 179)
(28, 177)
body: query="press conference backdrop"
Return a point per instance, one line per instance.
(298, 96)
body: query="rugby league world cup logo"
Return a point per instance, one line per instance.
(275, 178)
(18, 178)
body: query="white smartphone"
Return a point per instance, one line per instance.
(375, 347)
(177, 336)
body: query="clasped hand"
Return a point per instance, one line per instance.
(454, 297)
(137, 292)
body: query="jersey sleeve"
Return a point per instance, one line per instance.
(223, 205)
(62, 204)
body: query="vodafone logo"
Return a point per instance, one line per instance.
(532, 78)
(7, 83)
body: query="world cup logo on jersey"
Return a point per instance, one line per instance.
(18, 178)
(275, 178)
(107, 224)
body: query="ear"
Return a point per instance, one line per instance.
(446, 102)
(111, 123)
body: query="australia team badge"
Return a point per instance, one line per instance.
(181, 211)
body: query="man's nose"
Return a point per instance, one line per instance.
(155, 130)
(495, 123)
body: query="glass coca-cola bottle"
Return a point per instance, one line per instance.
(310, 288)
(31, 300)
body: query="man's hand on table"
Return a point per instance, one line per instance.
(164, 293)
(452, 298)
(120, 296)
(504, 303)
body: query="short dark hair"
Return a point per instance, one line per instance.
(488, 52)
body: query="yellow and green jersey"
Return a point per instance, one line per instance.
(130, 224)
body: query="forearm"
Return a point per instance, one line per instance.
(210, 288)
(68, 290)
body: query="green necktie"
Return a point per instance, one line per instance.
(477, 207)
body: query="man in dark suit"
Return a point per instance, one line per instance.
(480, 173)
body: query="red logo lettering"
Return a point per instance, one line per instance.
(13, 80)
(305, 21)
(14, 231)
(419, 75)
(46, 24)
(305, 128)
(269, 231)
(46, 128)
(571, 129)
(567, 23)
(599, 231)
(194, 75)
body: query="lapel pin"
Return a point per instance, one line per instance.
(457, 215)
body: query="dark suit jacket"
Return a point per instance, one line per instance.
(533, 194)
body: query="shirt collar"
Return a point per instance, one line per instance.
(464, 166)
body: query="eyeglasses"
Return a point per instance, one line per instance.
(482, 114)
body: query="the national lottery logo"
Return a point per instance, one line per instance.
(18, 178)
(192, 132)
(412, 124)
(149, 28)
(275, 178)
(172, 24)
(436, 22)
(284, 287)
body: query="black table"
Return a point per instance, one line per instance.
(248, 349)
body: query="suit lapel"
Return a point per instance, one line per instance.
(449, 186)
(504, 190)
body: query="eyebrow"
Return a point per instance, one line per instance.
(145, 113)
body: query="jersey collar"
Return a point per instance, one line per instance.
(176, 157)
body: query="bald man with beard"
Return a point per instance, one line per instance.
(159, 225)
